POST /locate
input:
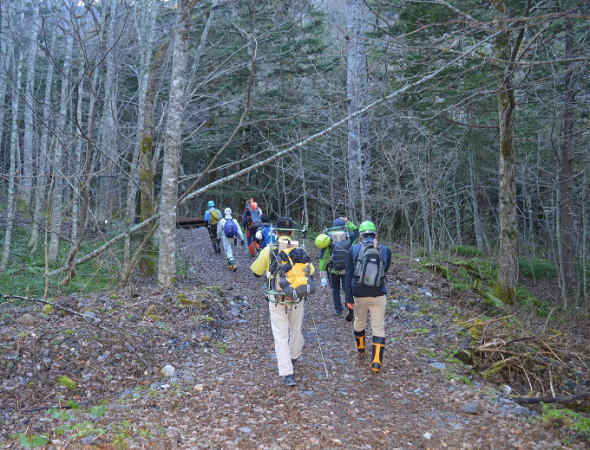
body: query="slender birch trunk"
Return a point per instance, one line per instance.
(566, 175)
(169, 192)
(78, 154)
(480, 237)
(57, 172)
(356, 81)
(108, 130)
(14, 144)
(43, 156)
(27, 183)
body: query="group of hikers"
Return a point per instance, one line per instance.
(351, 259)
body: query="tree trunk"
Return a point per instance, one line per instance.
(145, 45)
(57, 172)
(566, 175)
(480, 237)
(107, 183)
(507, 259)
(169, 192)
(356, 81)
(29, 105)
(43, 156)
(14, 144)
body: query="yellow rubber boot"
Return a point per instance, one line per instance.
(359, 339)
(378, 347)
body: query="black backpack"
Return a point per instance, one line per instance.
(340, 243)
(369, 267)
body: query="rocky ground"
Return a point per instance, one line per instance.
(222, 389)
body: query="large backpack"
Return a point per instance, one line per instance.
(339, 245)
(369, 267)
(230, 229)
(214, 216)
(291, 268)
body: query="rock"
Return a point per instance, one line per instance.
(168, 370)
(438, 365)
(199, 387)
(407, 307)
(506, 389)
(47, 309)
(134, 317)
(188, 378)
(427, 436)
(245, 429)
(27, 320)
(472, 408)
(90, 315)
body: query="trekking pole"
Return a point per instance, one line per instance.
(318, 339)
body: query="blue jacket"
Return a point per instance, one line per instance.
(266, 237)
(351, 287)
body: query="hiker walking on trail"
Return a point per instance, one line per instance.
(364, 283)
(229, 231)
(289, 280)
(335, 243)
(251, 219)
(212, 218)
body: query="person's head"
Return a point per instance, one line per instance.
(287, 224)
(265, 218)
(339, 222)
(367, 229)
(253, 205)
(227, 212)
(211, 204)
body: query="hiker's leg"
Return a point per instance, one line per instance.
(361, 309)
(377, 310)
(335, 282)
(279, 321)
(296, 313)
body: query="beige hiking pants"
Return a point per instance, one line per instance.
(375, 306)
(286, 321)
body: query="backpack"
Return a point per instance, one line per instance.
(339, 245)
(255, 216)
(292, 270)
(230, 229)
(369, 267)
(214, 216)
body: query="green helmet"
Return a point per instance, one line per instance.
(367, 227)
(322, 241)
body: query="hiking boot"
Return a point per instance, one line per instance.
(378, 347)
(359, 340)
(338, 312)
(289, 380)
(232, 267)
(293, 361)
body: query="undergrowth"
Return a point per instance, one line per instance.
(25, 272)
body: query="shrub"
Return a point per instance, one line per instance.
(466, 250)
(537, 268)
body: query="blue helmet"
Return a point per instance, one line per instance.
(211, 204)
(339, 222)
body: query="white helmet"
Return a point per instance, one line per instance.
(227, 212)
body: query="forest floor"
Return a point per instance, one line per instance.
(225, 390)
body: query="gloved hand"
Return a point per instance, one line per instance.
(324, 282)
(350, 306)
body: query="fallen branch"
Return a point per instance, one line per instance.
(535, 400)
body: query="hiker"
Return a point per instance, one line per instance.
(353, 232)
(212, 218)
(364, 284)
(264, 234)
(228, 231)
(289, 280)
(335, 243)
(251, 219)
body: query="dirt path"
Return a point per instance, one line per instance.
(412, 403)
(226, 392)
